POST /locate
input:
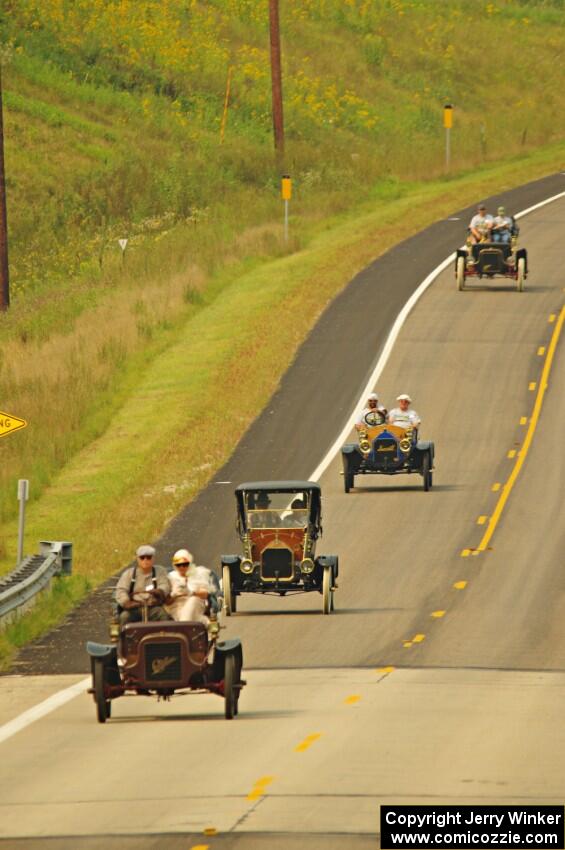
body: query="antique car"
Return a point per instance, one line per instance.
(278, 523)
(492, 259)
(386, 450)
(163, 659)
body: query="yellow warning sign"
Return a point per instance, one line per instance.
(9, 423)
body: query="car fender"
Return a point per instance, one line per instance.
(102, 650)
(231, 646)
(329, 561)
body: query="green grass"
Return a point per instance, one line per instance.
(112, 116)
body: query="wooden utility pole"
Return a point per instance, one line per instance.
(276, 79)
(4, 276)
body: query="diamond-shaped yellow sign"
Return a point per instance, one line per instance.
(9, 423)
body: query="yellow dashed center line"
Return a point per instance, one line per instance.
(307, 742)
(460, 585)
(529, 434)
(438, 614)
(385, 670)
(200, 847)
(511, 453)
(352, 699)
(465, 553)
(551, 318)
(258, 789)
(495, 487)
(541, 350)
(418, 638)
(481, 520)
(210, 830)
(531, 386)
(523, 420)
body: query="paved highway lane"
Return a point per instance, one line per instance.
(382, 702)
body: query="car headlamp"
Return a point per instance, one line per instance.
(307, 566)
(405, 445)
(246, 566)
(364, 445)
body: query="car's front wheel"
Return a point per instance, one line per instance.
(427, 472)
(103, 705)
(327, 592)
(460, 273)
(520, 274)
(230, 707)
(230, 603)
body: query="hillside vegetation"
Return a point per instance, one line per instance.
(113, 111)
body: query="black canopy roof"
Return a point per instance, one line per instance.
(278, 486)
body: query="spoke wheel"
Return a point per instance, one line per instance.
(103, 706)
(520, 274)
(229, 597)
(230, 705)
(327, 592)
(460, 273)
(427, 472)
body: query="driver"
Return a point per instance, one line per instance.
(262, 517)
(145, 584)
(481, 225)
(402, 415)
(379, 413)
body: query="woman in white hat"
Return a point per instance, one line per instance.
(402, 415)
(190, 587)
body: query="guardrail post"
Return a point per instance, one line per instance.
(23, 495)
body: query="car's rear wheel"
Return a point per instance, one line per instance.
(460, 273)
(327, 592)
(103, 706)
(427, 472)
(230, 599)
(520, 274)
(230, 704)
(348, 481)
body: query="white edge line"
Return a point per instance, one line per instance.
(389, 344)
(61, 697)
(41, 709)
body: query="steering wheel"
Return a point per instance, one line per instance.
(373, 417)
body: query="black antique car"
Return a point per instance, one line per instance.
(163, 659)
(279, 523)
(386, 450)
(491, 259)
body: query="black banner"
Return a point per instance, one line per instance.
(473, 826)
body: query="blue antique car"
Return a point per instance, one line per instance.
(387, 450)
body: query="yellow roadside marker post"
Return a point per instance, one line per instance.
(286, 194)
(448, 124)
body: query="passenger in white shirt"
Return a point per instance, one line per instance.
(502, 227)
(481, 225)
(374, 408)
(402, 416)
(190, 588)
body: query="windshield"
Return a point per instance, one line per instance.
(276, 510)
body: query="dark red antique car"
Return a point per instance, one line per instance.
(163, 659)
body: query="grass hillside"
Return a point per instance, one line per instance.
(112, 116)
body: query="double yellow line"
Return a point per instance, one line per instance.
(507, 488)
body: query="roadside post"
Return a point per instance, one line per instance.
(448, 124)
(23, 496)
(286, 193)
(123, 245)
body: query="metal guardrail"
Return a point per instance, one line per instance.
(19, 587)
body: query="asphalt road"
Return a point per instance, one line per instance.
(440, 678)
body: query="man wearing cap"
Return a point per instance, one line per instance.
(502, 227)
(481, 225)
(402, 415)
(143, 585)
(379, 413)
